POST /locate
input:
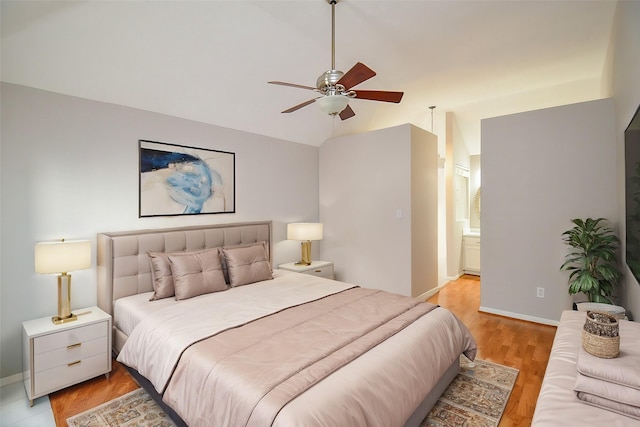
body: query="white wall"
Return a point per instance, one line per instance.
(457, 154)
(70, 169)
(626, 92)
(365, 182)
(474, 186)
(540, 169)
(438, 128)
(424, 211)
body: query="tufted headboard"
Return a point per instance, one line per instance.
(123, 263)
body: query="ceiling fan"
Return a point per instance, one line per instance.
(335, 87)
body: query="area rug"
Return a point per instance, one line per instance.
(134, 409)
(475, 398)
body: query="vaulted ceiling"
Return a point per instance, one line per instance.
(210, 61)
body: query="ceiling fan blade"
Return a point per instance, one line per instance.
(299, 106)
(292, 85)
(379, 95)
(356, 75)
(347, 113)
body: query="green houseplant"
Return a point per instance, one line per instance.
(592, 259)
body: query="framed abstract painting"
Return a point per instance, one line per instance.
(180, 180)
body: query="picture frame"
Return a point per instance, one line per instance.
(182, 180)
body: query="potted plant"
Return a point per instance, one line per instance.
(592, 259)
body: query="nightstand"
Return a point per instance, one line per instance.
(317, 268)
(57, 356)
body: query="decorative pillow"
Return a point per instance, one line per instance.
(247, 264)
(161, 277)
(263, 245)
(197, 273)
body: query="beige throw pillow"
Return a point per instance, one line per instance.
(161, 277)
(197, 273)
(263, 245)
(247, 264)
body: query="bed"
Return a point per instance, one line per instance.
(268, 347)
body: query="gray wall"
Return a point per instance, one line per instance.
(365, 182)
(626, 90)
(516, 295)
(70, 169)
(540, 169)
(364, 179)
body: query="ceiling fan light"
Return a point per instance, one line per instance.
(333, 104)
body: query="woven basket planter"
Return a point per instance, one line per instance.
(600, 335)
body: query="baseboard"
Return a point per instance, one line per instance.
(454, 278)
(431, 292)
(533, 319)
(11, 379)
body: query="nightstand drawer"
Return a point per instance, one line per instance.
(72, 373)
(69, 354)
(69, 337)
(324, 271)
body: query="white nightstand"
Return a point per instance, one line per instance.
(57, 356)
(317, 268)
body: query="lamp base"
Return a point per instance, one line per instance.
(64, 301)
(306, 253)
(60, 320)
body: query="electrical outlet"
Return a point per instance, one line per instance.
(540, 293)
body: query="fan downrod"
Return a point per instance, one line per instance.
(326, 83)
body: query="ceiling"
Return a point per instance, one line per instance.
(210, 61)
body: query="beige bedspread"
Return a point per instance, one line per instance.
(370, 362)
(257, 369)
(155, 345)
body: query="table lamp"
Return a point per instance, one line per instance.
(61, 257)
(305, 232)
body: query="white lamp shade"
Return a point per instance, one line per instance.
(304, 231)
(333, 104)
(62, 256)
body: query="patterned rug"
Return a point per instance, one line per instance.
(476, 398)
(134, 409)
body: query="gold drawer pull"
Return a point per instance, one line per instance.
(69, 347)
(318, 271)
(74, 363)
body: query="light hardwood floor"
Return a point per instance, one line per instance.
(511, 342)
(519, 344)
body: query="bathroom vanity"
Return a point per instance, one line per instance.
(471, 251)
